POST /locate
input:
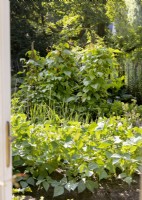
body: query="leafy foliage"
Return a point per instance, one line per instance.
(67, 154)
(50, 22)
(57, 142)
(77, 80)
(100, 75)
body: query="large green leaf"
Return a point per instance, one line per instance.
(128, 180)
(58, 190)
(81, 186)
(102, 174)
(68, 73)
(92, 166)
(91, 185)
(63, 181)
(71, 185)
(31, 181)
(46, 185)
(24, 184)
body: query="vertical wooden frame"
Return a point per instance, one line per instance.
(5, 90)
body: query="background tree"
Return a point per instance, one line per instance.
(127, 18)
(49, 22)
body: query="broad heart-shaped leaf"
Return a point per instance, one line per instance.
(31, 181)
(24, 184)
(66, 51)
(39, 181)
(71, 185)
(100, 74)
(45, 185)
(63, 181)
(58, 190)
(86, 82)
(92, 165)
(82, 167)
(95, 86)
(102, 174)
(82, 68)
(55, 183)
(89, 173)
(68, 73)
(128, 180)
(115, 160)
(66, 45)
(91, 185)
(81, 186)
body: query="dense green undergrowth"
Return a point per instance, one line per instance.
(70, 127)
(72, 80)
(68, 154)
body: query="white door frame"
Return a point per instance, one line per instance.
(5, 90)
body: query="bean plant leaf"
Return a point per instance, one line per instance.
(91, 185)
(104, 145)
(89, 173)
(71, 186)
(116, 156)
(95, 86)
(117, 140)
(115, 160)
(81, 186)
(100, 126)
(122, 175)
(24, 184)
(39, 182)
(58, 190)
(128, 180)
(63, 181)
(55, 183)
(31, 181)
(46, 185)
(103, 175)
(86, 82)
(68, 73)
(92, 166)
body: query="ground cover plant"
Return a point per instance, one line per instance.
(68, 155)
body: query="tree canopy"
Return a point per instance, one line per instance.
(78, 22)
(50, 22)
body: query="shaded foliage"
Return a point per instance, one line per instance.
(50, 22)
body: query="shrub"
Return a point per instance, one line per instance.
(99, 72)
(75, 80)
